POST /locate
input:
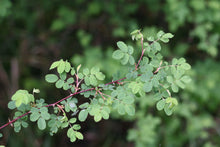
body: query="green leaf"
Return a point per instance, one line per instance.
(59, 84)
(17, 129)
(22, 97)
(54, 65)
(131, 60)
(84, 105)
(51, 78)
(97, 117)
(180, 84)
(1, 135)
(155, 63)
(170, 79)
(185, 66)
(43, 109)
(174, 88)
(160, 105)
(83, 115)
(121, 109)
(64, 124)
(80, 75)
(167, 110)
(168, 35)
(118, 54)
(95, 70)
(172, 102)
(160, 34)
(181, 61)
(45, 115)
(186, 79)
(130, 50)
(165, 37)
(122, 46)
(146, 44)
(41, 123)
(11, 105)
(130, 109)
(93, 80)
(155, 81)
(63, 76)
(135, 32)
(100, 76)
(134, 86)
(165, 40)
(128, 100)
(70, 80)
(105, 114)
(24, 124)
(174, 61)
(76, 127)
(71, 134)
(34, 116)
(67, 66)
(125, 59)
(72, 120)
(147, 87)
(150, 38)
(61, 67)
(147, 76)
(156, 46)
(79, 135)
(87, 81)
(73, 89)
(66, 86)
(86, 71)
(157, 96)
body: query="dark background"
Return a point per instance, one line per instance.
(33, 34)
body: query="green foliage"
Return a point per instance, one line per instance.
(124, 53)
(22, 97)
(5, 5)
(23, 121)
(73, 134)
(184, 12)
(149, 75)
(92, 76)
(40, 115)
(144, 135)
(83, 115)
(64, 13)
(55, 29)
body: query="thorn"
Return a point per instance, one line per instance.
(11, 124)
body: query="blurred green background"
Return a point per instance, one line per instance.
(33, 34)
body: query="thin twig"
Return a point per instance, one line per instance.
(53, 104)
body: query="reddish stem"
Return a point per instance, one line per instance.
(53, 104)
(77, 84)
(142, 53)
(115, 81)
(10, 122)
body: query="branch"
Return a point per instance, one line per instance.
(53, 104)
(77, 82)
(11, 122)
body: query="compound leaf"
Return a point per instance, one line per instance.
(123, 47)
